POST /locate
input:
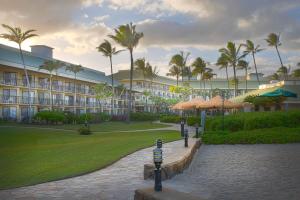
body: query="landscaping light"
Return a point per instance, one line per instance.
(186, 136)
(182, 127)
(157, 159)
(159, 143)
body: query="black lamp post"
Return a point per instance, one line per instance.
(182, 127)
(157, 159)
(186, 136)
(159, 143)
(197, 130)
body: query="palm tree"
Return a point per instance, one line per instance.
(223, 63)
(273, 40)
(75, 69)
(151, 73)
(180, 60)
(174, 71)
(51, 66)
(15, 34)
(199, 68)
(244, 65)
(284, 71)
(108, 51)
(275, 76)
(208, 75)
(232, 56)
(252, 49)
(126, 36)
(296, 73)
(141, 65)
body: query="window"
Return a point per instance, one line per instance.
(69, 87)
(10, 78)
(57, 85)
(69, 100)
(9, 96)
(57, 99)
(9, 113)
(43, 98)
(25, 113)
(43, 83)
(24, 80)
(26, 98)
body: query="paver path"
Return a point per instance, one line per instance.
(238, 172)
(117, 181)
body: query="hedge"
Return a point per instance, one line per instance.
(170, 118)
(50, 116)
(144, 116)
(255, 120)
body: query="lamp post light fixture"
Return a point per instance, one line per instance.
(182, 127)
(159, 143)
(157, 159)
(197, 130)
(186, 136)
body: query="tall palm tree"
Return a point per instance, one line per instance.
(275, 76)
(223, 63)
(273, 40)
(244, 65)
(126, 36)
(108, 51)
(141, 65)
(208, 75)
(252, 49)
(284, 71)
(75, 69)
(180, 60)
(51, 66)
(232, 55)
(174, 71)
(15, 34)
(199, 67)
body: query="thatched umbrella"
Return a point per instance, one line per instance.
(217, 102)
(189, 105)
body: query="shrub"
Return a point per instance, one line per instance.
(193, 120)
(170, 118)
(50, 116)
(144, 116)
(85, 130)
(255, 120)
(119, 118)
(104, 117)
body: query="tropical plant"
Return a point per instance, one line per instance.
(180, 60)
(274, 76)
(274, 41)
(141, 65)
(51, 66)
(208, 75)
(252, 49)
(284, 72)
(103, 91)
(15, 34)
(244, 65)
(75, 69)
(146, 94)
(174, 71)
(232, 55)
(108, 51)
(126, 36)
(296, 73)
(199, 67)
(151, 73)
(223, 63)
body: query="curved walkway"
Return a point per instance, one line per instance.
(118, 181)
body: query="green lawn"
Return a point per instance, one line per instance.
(278, 135)
(34, 155)
(102, 127)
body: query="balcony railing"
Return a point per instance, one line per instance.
(46, 85)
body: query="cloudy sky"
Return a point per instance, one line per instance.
(75, 27)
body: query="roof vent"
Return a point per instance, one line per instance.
(42, 51)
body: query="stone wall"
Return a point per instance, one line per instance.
(169, 170)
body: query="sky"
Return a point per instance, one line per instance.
(74, 28)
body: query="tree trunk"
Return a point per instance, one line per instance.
(130, 87)
(255, 68)
(177, 77)
(28, 83)
(246, 71)
(279, 55)
(75, 96)
(235, 84)
(51, 98)
(112, 85)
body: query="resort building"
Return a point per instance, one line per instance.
(14, 94)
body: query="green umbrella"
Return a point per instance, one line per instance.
(279, 93)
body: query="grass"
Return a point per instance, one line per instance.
(278, 135)
(32, 155)
(102, 127)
